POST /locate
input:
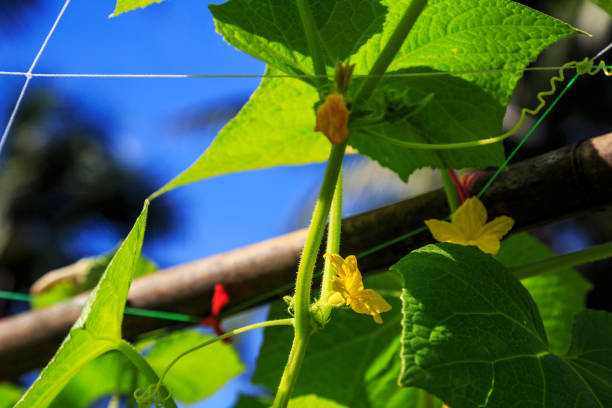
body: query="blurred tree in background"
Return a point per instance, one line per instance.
(58, 182)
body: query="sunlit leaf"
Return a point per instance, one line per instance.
(98, 328)
(276, 126)
(271, 30)
(426, 110)
(469, 35)
(126, 5)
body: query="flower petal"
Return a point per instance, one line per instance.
(354, 282)
(337, 263)
(487, 244)
(492, 232)
(332, 118)
(443, 231)
(470, 217)
(369, 302)
(336, 299)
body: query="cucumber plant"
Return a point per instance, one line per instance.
(410, 84)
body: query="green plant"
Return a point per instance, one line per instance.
(423, 89)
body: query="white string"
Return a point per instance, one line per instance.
(407, 74)
(29, 76)
(603, 51)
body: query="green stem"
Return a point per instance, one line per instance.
(391, 48)
(303, 323)
(145, 369)
(562, 261)
(292, 370)
(314, 42)
(303, 318)
(451, 191)
(333, 239)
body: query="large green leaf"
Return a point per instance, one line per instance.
(473, 336)
(98, 328)
(198, 374)
(559, 295)
(275, 128)
(451, 35)
(271, 30)
(352, 361)
(431, 109)
(126, 5)
(469, 35)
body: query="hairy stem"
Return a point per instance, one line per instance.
(292, 370)
(303, 318)
(143, 367)
(333, 239)
(391, 48)
(303, 323)
(562, 261)
(314, 42)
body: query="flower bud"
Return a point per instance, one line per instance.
(332, 118)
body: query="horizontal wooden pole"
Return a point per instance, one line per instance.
(559, 184)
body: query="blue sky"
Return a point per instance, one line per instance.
(174, 37)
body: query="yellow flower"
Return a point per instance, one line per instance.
(468, 226)
(332, 118)
(349, 290)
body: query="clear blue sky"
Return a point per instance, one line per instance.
(174, 37)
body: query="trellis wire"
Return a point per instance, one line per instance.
(29, 76)
(175, 76)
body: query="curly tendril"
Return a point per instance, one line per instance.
(151, 396)
(584, 67)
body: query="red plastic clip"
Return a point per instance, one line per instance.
(219, 300)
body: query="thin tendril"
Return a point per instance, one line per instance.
(152, 394)
(582, 67)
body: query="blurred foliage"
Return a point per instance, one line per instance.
(12, 12)
(59, 182)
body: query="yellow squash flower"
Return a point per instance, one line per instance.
(348, 287)
(332, 118)
(469, 226)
